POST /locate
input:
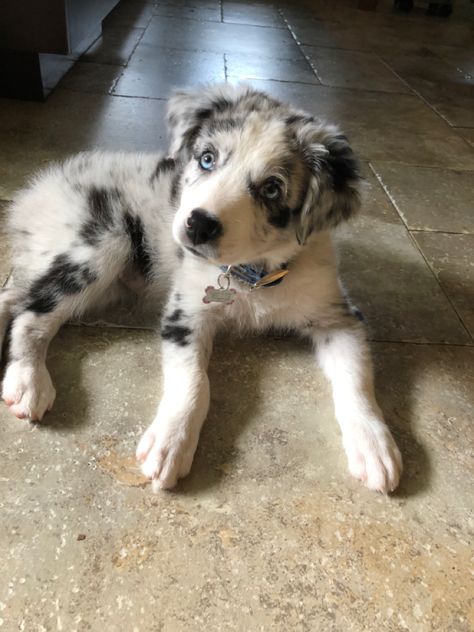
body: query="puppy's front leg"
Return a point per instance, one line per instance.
(372, 453)
(167, 448)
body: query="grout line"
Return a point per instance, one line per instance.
(290, 81)
(422, 343)
(111, 91)
(130, 96)
(298, 45)
(418, 94)
(419, 166)
(416, 245)
(438, 231)
(101, 325)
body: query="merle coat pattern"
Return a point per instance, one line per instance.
(249, 180)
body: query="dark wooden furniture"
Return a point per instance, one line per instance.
(41, 39)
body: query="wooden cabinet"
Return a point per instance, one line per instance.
(41, 39)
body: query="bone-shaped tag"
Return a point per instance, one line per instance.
(219, 295)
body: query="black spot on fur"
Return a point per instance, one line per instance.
(298, 118)
(175, 190)
(140, 253)
(279, 215)
(176, 333)
(63, 278)
(278, 212)
(224, 125)
(341, 163)
(165, 165)
(189, 138)
(101, 203)
(221, 104)
(175, 316)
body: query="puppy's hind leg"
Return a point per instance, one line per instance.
(10, 298)
(65, 289)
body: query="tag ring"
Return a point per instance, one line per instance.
(220, 282)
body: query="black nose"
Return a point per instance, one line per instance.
(201, 227)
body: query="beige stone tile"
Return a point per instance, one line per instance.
(115, 46)
(262, 67)
(445, 88)
(467, 134)
(196, 12)
(395, 127)
(352, 69)
(430, 199)
(260, 15)
(153, 71)
(33, 134)
(91, 77)
(129, 13)
(268, 532)
(375, 203)
(5, 266)
(387, 278)
(451, 257)
(215, 37)
(459, 56)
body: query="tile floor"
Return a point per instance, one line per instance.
(268, 532)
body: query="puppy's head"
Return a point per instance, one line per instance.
(258, 177)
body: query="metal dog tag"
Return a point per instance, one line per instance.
(218, 295)
(222, 294)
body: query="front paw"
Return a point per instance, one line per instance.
(373, 455)
(28, 390)
(165, 457)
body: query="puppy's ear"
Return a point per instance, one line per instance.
(333, 191)
(188, 110)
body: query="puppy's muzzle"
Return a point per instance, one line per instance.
(202, 228)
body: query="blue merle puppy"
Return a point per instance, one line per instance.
(233, 227)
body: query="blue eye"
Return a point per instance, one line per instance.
(207, 161)
(271, 190)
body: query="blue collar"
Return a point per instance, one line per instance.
(254, 275)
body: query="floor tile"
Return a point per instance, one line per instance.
(467, 134)
(70, 122)
(220, 38)
(344, 35)
(389, 281)
(91, 77)
(352, 69)
(154, 71)
(446, 89)
(269, 502)
(241, 66)
(114, 46)
(321, 33)
(457, 56)
(430, 199)
(5, 266)
(260, 15)
(382, 126)
(197, 12)
(184, 4)
(375, 202)
(129, 13)
(450, 256)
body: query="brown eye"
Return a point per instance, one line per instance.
(271, 190)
